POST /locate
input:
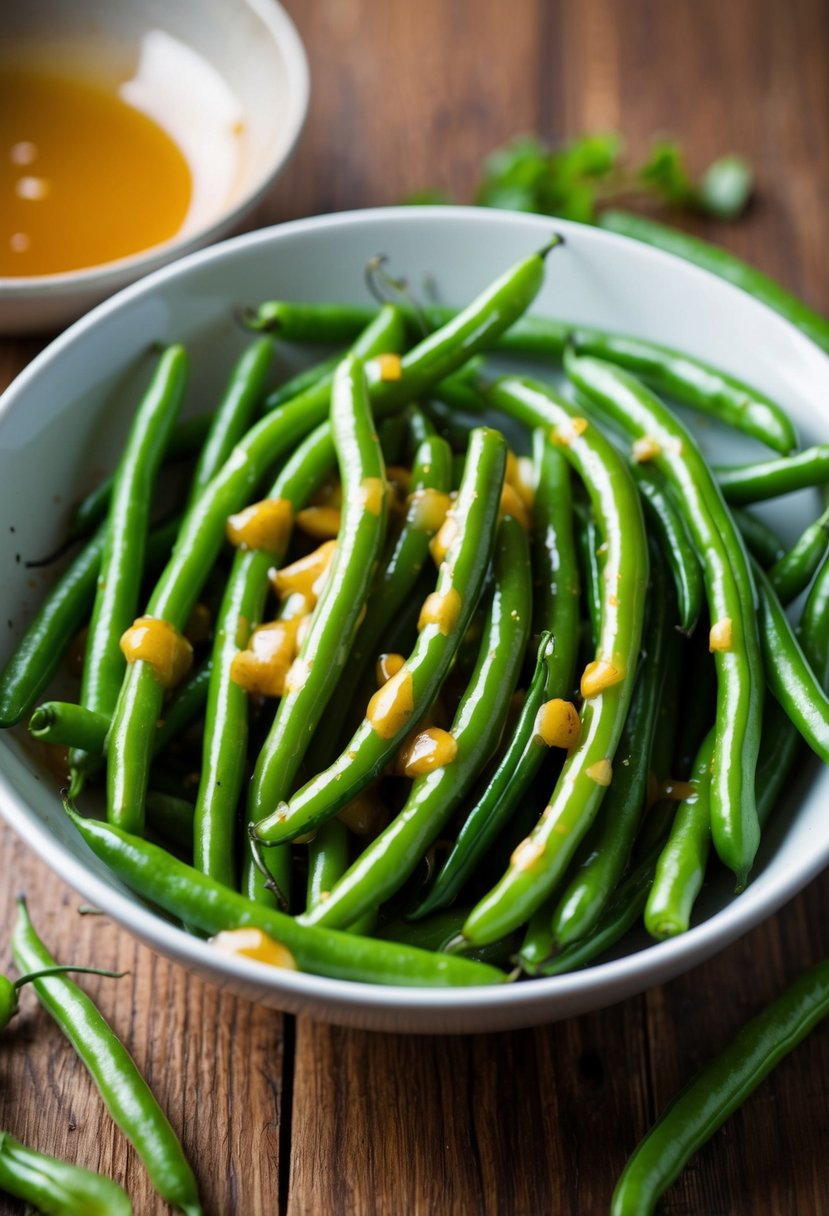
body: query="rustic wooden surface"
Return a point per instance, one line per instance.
(290, 1116)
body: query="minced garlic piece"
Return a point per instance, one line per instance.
(262, 525)
(557, 724)
(155, 641)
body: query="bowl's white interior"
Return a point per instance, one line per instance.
(62, 421)
(227, 79)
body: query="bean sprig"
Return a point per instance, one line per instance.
(456, 723)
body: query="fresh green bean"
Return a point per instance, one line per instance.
(538, 864)
(723, 264)
(792, 573)
(731, 599)
(308, 378)
(761, 540)
(55, 1186)
(200, 901)
(675, 543)
(124, 1091)
(748, 483)
(387, 862)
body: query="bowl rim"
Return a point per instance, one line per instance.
(108, 275)
(654, 964)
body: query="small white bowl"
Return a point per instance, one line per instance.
(227, 79)
(68, 412)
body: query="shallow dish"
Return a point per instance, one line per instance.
(226, 79)
(66, 414)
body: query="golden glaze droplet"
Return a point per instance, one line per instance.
(303, 574)
(527, 854)
(721, 636)
(157, 642)
(389, 367)
(427, 509)
(392, 705)
(645, 448)
(320, 523)
(446, 536)
(373, 494)
(557, 724)
(263, 525)
(441, 609)
(601, 772)
(263, 666)
(427, 750)
(387, 666)
(256, 944)
(600, 675)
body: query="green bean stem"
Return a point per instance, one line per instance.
(55, 1186)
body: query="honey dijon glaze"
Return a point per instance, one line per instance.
(155, 641)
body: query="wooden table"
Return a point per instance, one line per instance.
(279, 1114)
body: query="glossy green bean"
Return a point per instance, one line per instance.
(308, 378)
(589, 542)
(792, 573)
(387, 862)
(55, 1186)
(675, 544)
(124, 1091)
(761, 540)
(731, 599)
(200, 901)
(717, 1090)
(757, 482)
(538, 864)
(723, 264)
(460, 580)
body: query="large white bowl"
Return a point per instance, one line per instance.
(227, 79)
(67, 412)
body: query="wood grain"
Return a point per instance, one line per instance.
(303, 1118)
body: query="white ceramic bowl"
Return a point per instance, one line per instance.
(227, 79)
(67, 412)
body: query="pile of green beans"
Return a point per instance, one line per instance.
(526, 777)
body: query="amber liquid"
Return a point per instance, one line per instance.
(84, 177)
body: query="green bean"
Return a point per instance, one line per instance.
(589, 542)
(717, 1090)
(606, 849)
(122, 558)
(814, 623)
(65, 724)
(731, 599)
(327, 861)
(234, 413)
(336, 617)
(792, 681)
(411, 692)
(538, 864)
(680, 869)
(124, 1091)
(723, 264)
(747, 483)
(200, 901)
(226, 721)
(761, 540)
(309, 377)
(185, 439)
(201, 535)
(689, 380)
(55, 1186)
(198, 544)
(388, 861)
(170, 817)
(437, 931)
(792, 573)
(406, 554)
(675, 543)
(315, 322)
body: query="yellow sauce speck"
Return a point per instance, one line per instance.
(387, 666)
(441, 609)
(365, 815)
(302, 575)
(557, 724)
(721, 636)
(601, 772)
(392, 705)
(389, 367)
(427, 509)
(512, 504)
(373, 494)
(262, 525)
(600, 675)
(427, 750)
(445, 537)
(321, 523)
(645, 448)
(297, 675)
(527, 854)
(256, 944)
(263, 666)
(155, 641)
(676, 791)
